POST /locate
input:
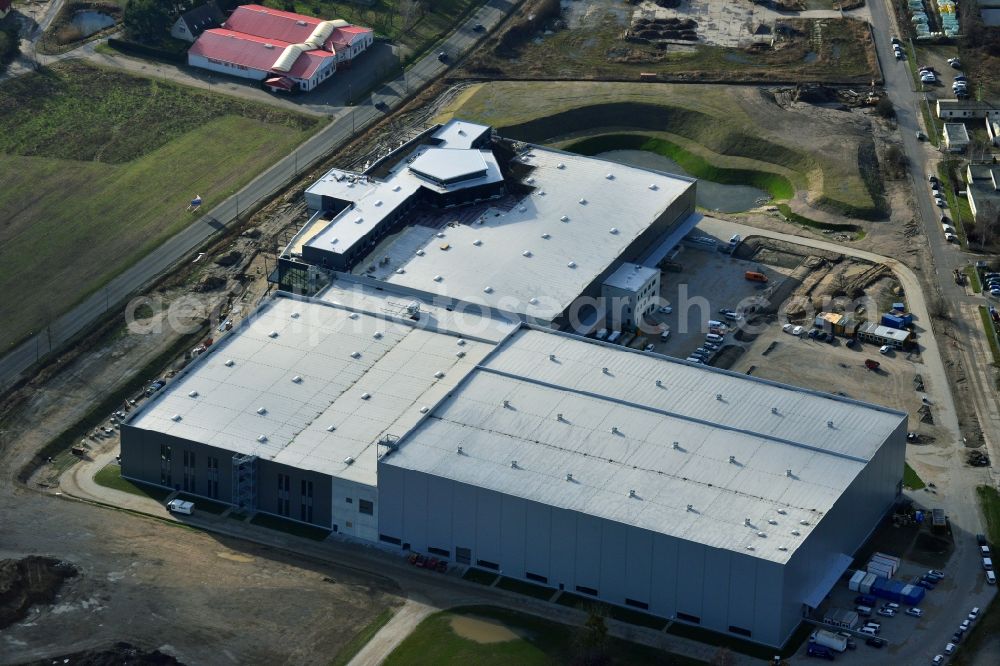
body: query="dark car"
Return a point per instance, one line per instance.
(851, 342)
(981, 539)
(442, 56)
(924, 584)
(479, 27)
(876, 642)
(820, 651)
(956, 637)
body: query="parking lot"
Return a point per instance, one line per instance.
(708, 282)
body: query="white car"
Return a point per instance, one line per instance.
(884, 349)
(892, 605)
(649, 347)
(949, 648)
(787, 328)
(915, 612)
(665, 309)
(937, 660)
(991, 578)
(797, 330)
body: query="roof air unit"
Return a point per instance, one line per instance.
(438, 374)
(175, 417)
(513, 464)
(355, 354)
(377, 335)
(419, 253)
(774, 410)
(477, 242)
(295, 315)
(459, 450)
(296, 379)
(348, 460)
(193, 394)
(732, 459)
(560, 166)
(631, 493)
(460, 354)
(424, 409)
(460, 342)
(331, 428)
(229, 362)
(746, 521)
(272, 334)
(690, 507)
(569, 477)
(262, 410)
(564, 218)
(366, 396)
(261, 438)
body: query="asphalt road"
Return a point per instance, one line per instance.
(347, 121)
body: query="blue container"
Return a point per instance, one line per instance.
(899, 306)
(892, 321)
(907, 319)
(919, 517)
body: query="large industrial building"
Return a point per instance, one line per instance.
(450, 422)
(463, 214)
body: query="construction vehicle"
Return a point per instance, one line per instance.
(959, 277)
(871, 364)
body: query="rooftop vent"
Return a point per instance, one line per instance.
(513, 464)
(718, 396)
(193, 394)
(377, 335)
(268, 46)
(333, 241)
(803, 522)
(610, 176)
(297, 379)
(546, 236)
(359, 220)
(613, 230)
(526, 253)
(175, 417)
(529, 180)
(614, 430)
(774, 410)
(560, 166)
(762, 535)
(460, 342)
(690, 507)
(366, 396)
(419, 253)
(331, 428)
(438, 278)
(564, 218)
(424, 409)
(583, 202)
(552, 357)
(400, 271)
(261, 438)
(272, 334)
(506, 404)
(396, 188)
(533, 300)
(522, 208)
(782, 548)
(295, 315)
(355, 354)
(300, 22)
(460, 354)
(659, 384)
(751, 548)
(571, 264)
(353, 315)
(653, 186)
(732, 459)
(477, 242)
(459, 450)
(782, 511)
(348, 460)
(746, 521)
(229, 362)
(440, 234)
(488, 290)
(829, 424)
(378, 203)
(569, 477)
(676, 445)
(262, 410)
(796, 533)
(559, 417)
(631, 492)
(772, 521)
(788, 472)
(439, 374)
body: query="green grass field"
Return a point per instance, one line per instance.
(98, 167)
(110, 476)
(533, 641)
(991, 336)
(716, 132)
(415, 25)
(911, 479)
(348, 652)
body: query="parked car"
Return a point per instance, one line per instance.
(876, 642)
(914, 612)
(479, 27)
(974, 613)
(442, 56)
(924, 584)
(886, 612)
(884, 349)
(665, 309)
(956, 637)
(819, 651)
(892, 605)
(937, 573)
(965, 625)
(937, 660)
(949, 648)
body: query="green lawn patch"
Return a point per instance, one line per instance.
(479, 576)
(774, 184)
(110, 476)
(533, 642)
(289, 527)
(989, 502)
(973, 275)
(361, 639)
(991, 333)
(794, 217)
(910, 478)
(715, 132)
(98, 168)
(202, 504)
(958, 207)
(523, 587)
(628, 615)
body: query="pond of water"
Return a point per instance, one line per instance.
(711, 196)
(88, 22)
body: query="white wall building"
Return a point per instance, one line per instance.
(630, 293)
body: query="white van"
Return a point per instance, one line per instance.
(712, 337)
(180, 506)
(601, 334)
(988, 564)
(713, 323)
(868, 631)
(614, 336)
(863, 611)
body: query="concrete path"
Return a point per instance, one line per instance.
(393, 633)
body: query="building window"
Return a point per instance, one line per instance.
(213, 478)
(463, 555)
(438, 551)
(306, 501)
(586, 590)
(389, 539)
(486, 564)
(284, 483)
(349, 500)
(638, 604)
(366, 507)
(189, 472)
(535, 577)
(685, 617)
(165, 472)
(740, 630)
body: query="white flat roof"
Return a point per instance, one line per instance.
(631, 277)
(540, 255)
(372, 199)
(445, 164)
(311, 387)
(459, 133)
(639, 454)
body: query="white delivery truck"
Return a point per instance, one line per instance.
(829, 639)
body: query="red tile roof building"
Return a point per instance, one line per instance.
(285, 50)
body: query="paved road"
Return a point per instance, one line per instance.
(347, 121)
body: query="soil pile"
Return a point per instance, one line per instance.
(32, 580)
(122, 654)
